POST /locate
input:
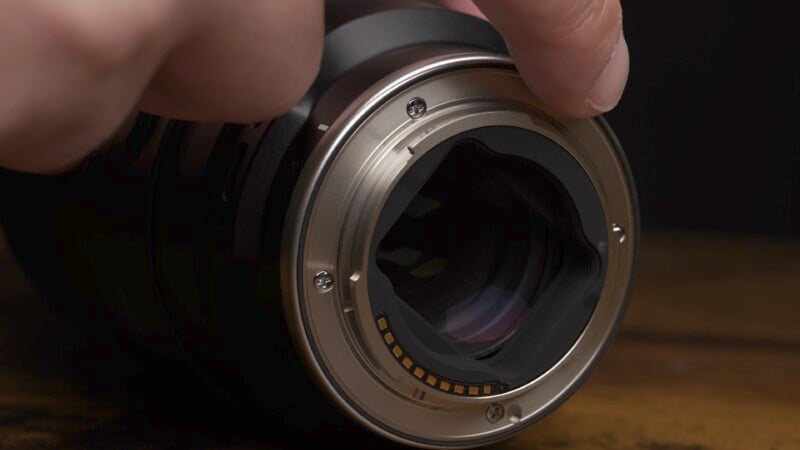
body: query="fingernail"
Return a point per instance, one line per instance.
(607, 90)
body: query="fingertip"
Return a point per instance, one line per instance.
(571, 55)
(609, 86)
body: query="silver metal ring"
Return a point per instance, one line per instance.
(332, 216)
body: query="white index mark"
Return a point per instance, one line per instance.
(323, 127)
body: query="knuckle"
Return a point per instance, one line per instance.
(299, 53)
(105, 36)
(298, 73)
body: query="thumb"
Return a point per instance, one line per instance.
(571, 53)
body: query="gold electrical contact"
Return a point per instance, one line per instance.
(425, 375)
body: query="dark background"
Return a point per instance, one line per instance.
(710, 116)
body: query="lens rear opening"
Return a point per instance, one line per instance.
(481, 257)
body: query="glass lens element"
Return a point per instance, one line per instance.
(475, 246)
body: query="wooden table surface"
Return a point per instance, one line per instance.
(708, 358)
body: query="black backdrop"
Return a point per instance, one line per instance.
(710, 119)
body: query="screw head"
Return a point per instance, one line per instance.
(619, 231)
(323, 281)
(416, 107)
(495, 412)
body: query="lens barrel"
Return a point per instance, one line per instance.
(418, 236)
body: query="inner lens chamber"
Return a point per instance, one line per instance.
(483, 258)
(484, 237)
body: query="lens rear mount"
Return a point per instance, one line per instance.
(367, 344)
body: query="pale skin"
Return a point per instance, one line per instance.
(72, 71)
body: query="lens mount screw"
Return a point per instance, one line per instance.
(495, 412)
(619, 231)
(323, 281)
(416, 107)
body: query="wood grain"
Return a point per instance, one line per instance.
(708, 358)
(720, 287)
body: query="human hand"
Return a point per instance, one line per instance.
(72, 71)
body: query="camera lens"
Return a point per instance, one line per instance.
(418, 235)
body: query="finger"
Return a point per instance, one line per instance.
(572, 54)
(71, 71)
(464, 6)
(250, 60)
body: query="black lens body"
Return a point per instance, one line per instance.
(169, 237)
